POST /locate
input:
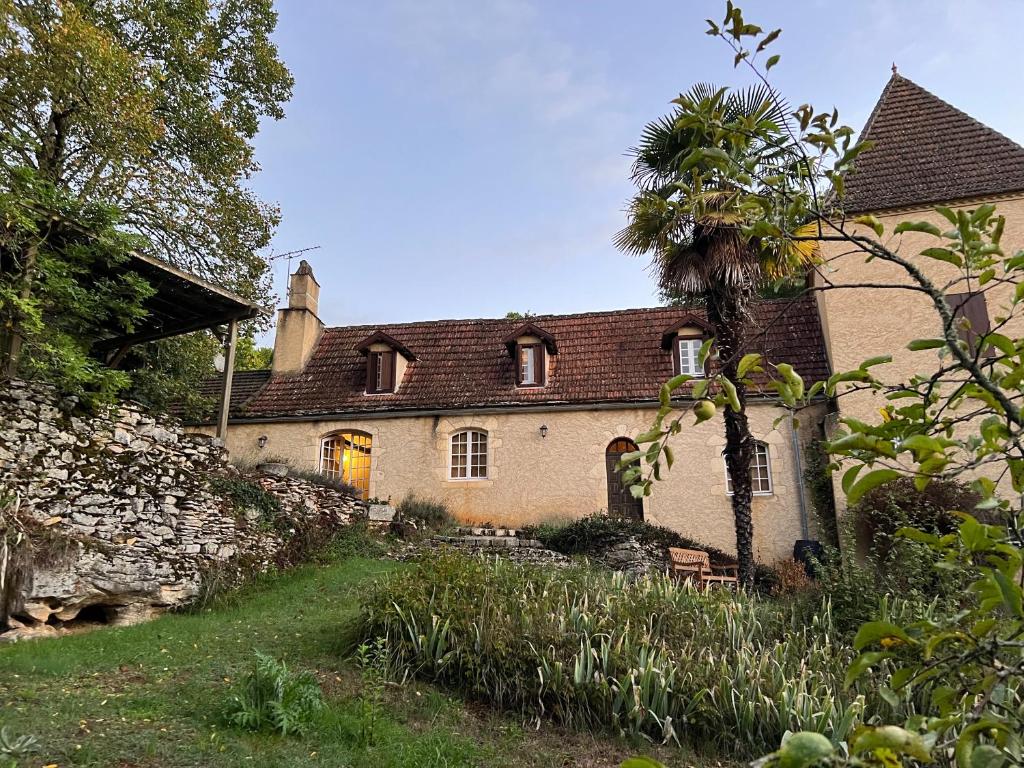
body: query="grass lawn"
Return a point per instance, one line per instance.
(152, 695)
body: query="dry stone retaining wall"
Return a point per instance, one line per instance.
(125, 508)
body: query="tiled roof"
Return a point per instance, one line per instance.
(244, 384)
(603, 357)
(928, 151)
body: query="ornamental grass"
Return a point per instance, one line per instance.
(597, 651)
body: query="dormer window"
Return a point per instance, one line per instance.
(386, 362)
(531, 348)
(684, 339)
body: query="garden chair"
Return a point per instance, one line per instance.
(695, 564)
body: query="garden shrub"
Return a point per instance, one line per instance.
(593, 650)
(273, 698)
(597, 533)
(884, 510)
(430, 513)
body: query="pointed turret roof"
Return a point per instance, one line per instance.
(928, 151)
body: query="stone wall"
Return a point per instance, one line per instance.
(121, 507)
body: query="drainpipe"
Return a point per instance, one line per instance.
(798, 465)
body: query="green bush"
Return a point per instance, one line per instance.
(273, 698)
(884, 510)
(356, 540)
(597, 533)
(598, 651)
(429, 512)
(874, 563)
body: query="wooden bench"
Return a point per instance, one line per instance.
(695, 564)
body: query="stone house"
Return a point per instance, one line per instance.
(926, 153)
(513, 422)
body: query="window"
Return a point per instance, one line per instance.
(469, 455)
(689, 352)
(346, 457)
(760, 472)
(970, 317)
(380, 372)
(530, 371)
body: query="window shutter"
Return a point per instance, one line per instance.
(972, 308)
(371, 372)
(519, 365)
(388, 376)
(677, 366)
(538, 365)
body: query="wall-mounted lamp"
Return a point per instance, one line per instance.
(261, 441)
(543, 430)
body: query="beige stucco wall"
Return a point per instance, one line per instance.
(532, 478)
(864, 322)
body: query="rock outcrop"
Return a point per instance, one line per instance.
(122, 515)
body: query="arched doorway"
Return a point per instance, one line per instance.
(345, 456)
(620, 501)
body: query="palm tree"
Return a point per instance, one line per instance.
(698, 172)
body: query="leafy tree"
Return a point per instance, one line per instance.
(77, 295)
(147, 111)
(249, 357)
(960, 416)
(693, 214)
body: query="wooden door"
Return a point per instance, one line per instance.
(620, 501)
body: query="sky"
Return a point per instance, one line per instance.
(467, 158)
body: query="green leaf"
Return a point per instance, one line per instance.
(894, 738)
(768, 39)
(873, 222)
(943, 254)
(873, 361)
(771, 62)
(876, 631)
(804, 749)
(849, 476)
(987, 756)
(1011, 594)
(862, 664)
(731, 394)
(748, 363)
(917, 226)
(871, 480)
(919, 344)
(641, 762)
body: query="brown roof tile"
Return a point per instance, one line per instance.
(928, 151)
(602, 357)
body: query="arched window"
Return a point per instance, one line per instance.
(760, 471)
(345, 456)
(468, 455)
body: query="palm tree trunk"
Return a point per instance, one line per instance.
(727, 312)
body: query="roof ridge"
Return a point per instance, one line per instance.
(551, 316)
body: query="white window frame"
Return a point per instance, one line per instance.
(692, 347)
(379, 388)
(527, 367)
(760, 448)
(471, 435)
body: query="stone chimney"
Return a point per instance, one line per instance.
(298, 327)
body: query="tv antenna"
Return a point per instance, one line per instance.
(290, 255)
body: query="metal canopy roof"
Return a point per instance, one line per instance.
(182, 303)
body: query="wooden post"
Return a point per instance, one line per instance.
(229, 372)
